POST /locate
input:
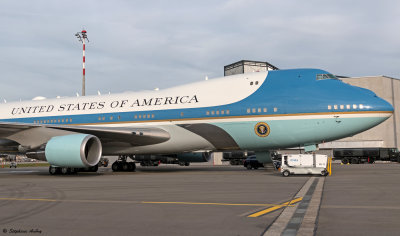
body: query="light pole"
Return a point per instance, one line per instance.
(82, 36)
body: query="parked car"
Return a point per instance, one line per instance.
(252, 163)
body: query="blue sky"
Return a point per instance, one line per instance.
(140, 45)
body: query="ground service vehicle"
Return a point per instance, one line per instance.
(236, 157)
(304, 164)
(363, 155)
(252, 163)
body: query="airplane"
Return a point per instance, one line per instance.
(259, 112)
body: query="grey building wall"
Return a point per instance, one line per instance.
(387, 133)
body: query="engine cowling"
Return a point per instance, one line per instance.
(75, 150)
(194, 157)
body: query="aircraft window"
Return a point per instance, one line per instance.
(354, 106)
(222, 112)
(361, 106)
(217, 112)
(208, 113)
(135, 116)
(251, 83)
(265, 109)
(341, 107)
(248, 110)
(103, 118)
(275, 109)
(253, 110)
(148, 115)
(227, 112)
(70, 119)
(152, 115)
(212, 112)
(326, 76)
(259, 110)
(181, 113)
(329, 107)
(58, 121)
(335, 107)
(348, 106)
(256, 82)
(111, 118)
(140, 116)
(119, 117)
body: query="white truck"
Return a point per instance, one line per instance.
(304, 164)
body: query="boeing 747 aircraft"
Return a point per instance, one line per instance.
(258, 112)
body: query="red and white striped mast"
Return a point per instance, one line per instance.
(82, 36)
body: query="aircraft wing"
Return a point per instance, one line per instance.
(34, 135)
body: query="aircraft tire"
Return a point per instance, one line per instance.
(65, 170)
(94, 168)
(249, 167)
(345, 161)
(53, 170)
(132, 166)
(125, 166)
(115, 167)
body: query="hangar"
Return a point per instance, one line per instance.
(385, 135)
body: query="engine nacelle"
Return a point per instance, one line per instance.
(75, 150)
(194, 157)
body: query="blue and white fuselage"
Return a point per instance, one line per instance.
(257, 111)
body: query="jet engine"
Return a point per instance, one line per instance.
(75, 150)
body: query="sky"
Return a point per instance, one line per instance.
(142, 45)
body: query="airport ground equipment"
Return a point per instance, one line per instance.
(304, 164)
(252, 163)
(182, 159)
(103, 162)
(366, 155)
(236, 157)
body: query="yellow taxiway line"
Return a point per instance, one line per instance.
(140, 202)
(276, 207)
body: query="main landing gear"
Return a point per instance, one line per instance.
(68, 170)
(122, 165)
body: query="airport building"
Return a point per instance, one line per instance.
(385, 135)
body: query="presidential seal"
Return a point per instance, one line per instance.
(262, 129)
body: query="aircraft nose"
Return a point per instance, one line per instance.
(379, 104)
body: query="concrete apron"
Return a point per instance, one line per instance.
(300, 219)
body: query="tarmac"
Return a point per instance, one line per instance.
(201, 200)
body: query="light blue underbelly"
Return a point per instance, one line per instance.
(292, 133)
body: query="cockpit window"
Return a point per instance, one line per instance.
(326, 76)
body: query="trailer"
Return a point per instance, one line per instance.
(304, 164)
(366, 155)
(236, 157)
